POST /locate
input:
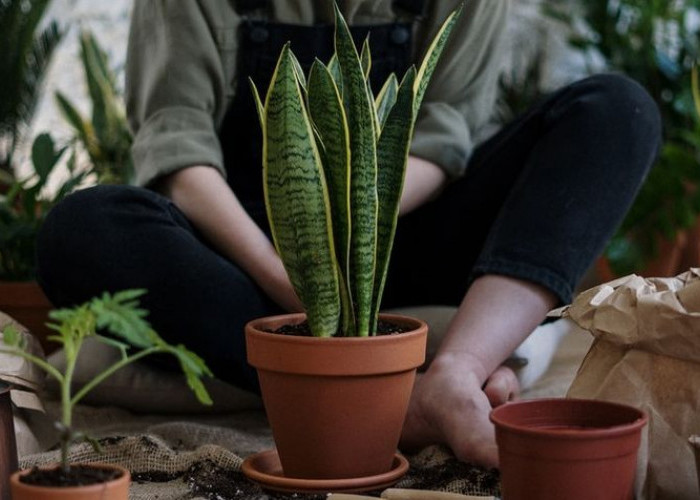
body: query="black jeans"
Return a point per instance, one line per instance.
(538, 202)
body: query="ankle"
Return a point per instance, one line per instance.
(464, 365)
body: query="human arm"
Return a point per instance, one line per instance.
(207, 201)
(458, 106)
(424, 181)
(452, 399)
(177, 81)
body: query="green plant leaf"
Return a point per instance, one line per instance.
(363, 195)
(120, 314)
(98, 83)
(123, 347)
(366, 63)
(334, 68)
(386, 99)
(194, 369)
(432, 56)
(297, 200)
(81, 126)
(11, 336)
(44, 156)
(24, 56)
(392, 155)
(258, 103)
(328, 116)
(366, 58)
(301, 78)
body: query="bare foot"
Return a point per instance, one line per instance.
(502, 386)
(449, 406)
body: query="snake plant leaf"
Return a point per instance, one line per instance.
(432, 55)
(366, 63)
(347, 314)
(392, 155)
(298, 71)
(363, 167)
(334, 68)
(258, 103)
(386, 99)
(328, 116)
(366, 58)
(297, 200)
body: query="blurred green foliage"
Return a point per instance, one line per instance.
(24, 204)
(105, 135)
(24, 56)
(655, 42)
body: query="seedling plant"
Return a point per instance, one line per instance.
(119, 316)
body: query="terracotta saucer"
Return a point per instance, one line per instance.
(264, 468)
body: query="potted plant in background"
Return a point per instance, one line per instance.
(23, 208)
(118, 315)
(335, 384)
(25, 57)
(56, 171)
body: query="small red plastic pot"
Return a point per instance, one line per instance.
(570, 449)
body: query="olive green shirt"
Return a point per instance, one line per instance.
(181, 66)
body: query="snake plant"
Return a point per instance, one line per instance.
(334, 159)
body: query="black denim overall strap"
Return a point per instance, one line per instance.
(260, 45)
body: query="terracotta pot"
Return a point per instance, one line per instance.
(567, 448)
(8, 445)
(117, 489)
(695, 443)
(25, 302)
(336, 405)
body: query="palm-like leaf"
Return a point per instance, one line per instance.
(24, 57)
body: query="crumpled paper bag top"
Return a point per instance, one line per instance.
(26, 378)
(658, 315)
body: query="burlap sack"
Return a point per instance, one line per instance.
(647, 353)
(26, 380)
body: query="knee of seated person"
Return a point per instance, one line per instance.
(86, 209)
(75, 224)
(622, 100)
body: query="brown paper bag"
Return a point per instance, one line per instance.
(27, 380)
(646, 353)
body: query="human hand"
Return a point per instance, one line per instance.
(449, 406)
